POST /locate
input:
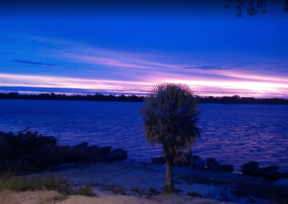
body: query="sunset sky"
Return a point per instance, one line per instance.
(126, 48)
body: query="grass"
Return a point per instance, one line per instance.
(29, 152)
(147, 193)
(194, 194)
(18, 184)
(85, 191)
(116, 189)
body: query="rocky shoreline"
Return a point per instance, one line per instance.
(208, 166)
(193, 178)
(143, 180)
(251, 168)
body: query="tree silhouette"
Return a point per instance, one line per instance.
(253, 6)
(170, 118)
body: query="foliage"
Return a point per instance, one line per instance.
(14, 149)
(170, 117)
(116, 189)
(133, 98)
(29, 152)
(9, 182)
(254, 6)
(85, 191)
(52, 96)
(194, 194)
(148, 193)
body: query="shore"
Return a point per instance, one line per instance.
(136, 182)
(47, 197)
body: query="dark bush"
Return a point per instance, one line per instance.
(32, 152)
(9, 182)
(28, 141)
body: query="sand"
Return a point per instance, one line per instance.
(46, 197)
(28, 197)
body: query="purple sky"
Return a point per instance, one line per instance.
(127, 48)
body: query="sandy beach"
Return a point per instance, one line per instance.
(136, 182)
(45, 197)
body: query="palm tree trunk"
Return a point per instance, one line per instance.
(169, 184)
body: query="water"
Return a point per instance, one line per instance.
(231, 133)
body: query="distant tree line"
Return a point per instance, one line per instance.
(133, 98)
(74, 97)
(243, 100)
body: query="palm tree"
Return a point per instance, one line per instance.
(170, 118)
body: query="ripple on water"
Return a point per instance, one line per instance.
(232, 133)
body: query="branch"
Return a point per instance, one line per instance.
(252, 7)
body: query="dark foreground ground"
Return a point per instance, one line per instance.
(144, 182)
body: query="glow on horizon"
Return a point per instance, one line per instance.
(136, 73)
(202, 87)
(114, 52)
(234, 81)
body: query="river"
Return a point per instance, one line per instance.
(231, 133)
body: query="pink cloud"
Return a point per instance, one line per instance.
(136, 71)
(65, 82)
(201, 85)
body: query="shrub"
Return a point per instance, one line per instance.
(86, 191)
(29, 152)
(116, 189)
(9, 182)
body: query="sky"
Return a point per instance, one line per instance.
(129, 47)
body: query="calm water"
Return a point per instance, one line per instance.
(231, 133)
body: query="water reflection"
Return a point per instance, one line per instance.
(231, 133)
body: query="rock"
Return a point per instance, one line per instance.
(284, 174)
(92, 148)
(268, 169)
(281, 182)
(197, 162)
(65, 165)
(227, 167)
(260, 179)
(250, 168)
(275, 175)
(269, 172)
(213, 164)
(81, 146)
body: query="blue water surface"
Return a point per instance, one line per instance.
(231, 133)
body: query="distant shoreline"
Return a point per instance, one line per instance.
(133, 98)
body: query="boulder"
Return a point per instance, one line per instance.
(250, 168)
(269, 172)
(275, 175)
(65, 165)
(92, 148)
(284, 174)
(227, 167)
(281, 182)
(269, 169)
(81, 146)
(197, 162)
(213, 164)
